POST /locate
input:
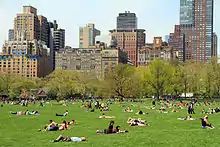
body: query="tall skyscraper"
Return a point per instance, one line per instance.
(10, 34)
(126, 21)
(215, 45)
(87, 35)
(196, 23)
(129, 41)
(30, 26)
(58, 37)
(26, 24)
(43, 29)
(56, 40)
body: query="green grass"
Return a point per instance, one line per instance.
(164, 129)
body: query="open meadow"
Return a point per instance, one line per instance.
(164, 129)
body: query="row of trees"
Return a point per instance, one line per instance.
(159, 78)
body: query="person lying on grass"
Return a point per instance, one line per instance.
(137, 122)
(206, 124)
(128, 109)
(104, 116)
(64, 114)
(52, 126)
(173, 110)
(187, 118)
(25, 113)
(69, 139)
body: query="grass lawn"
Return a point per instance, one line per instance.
(164, 129)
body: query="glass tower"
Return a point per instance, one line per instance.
(196, 22)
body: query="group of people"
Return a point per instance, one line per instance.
(187, 117)
(111, 129)
(211, 111)
(53, 126)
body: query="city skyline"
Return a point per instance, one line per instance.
(156, 23)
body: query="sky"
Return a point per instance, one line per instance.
(157, 17)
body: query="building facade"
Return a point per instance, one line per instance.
(158, 49)
(92, 62)
(29, 26)
(177, 42)
(129, 41)
(25, 58)
(56, 40)
(10, 34)
(43, 29)
(87, 36)
(196, 23)
(215, 45)
(126, 21)
(58, 37)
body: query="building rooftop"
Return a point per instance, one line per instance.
(127, 30)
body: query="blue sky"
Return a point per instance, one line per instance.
(158, 17)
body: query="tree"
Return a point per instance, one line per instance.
(158, 76)
(122, 82)
(175, 84)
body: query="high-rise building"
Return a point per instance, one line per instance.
(177, 42)
(56, 40)
(196, 23)
(215, 45)
(43, 29)
(129, 41)
(58, 37)
(87, 35)
(30, 26)
(126, 21)
(29, 58)
(27, 53)
(10, 34)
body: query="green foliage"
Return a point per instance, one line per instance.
(125, 81)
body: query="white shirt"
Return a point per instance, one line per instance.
(75, 139)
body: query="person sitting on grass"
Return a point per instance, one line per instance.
(69, 139)
(128, 110)
(187, 118)
(206, 124)
(64, 114)
(117, 130)
(141, 112)
(104, 116)
(111, 129)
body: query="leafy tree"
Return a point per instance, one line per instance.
(158, 76)
(122, 82)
